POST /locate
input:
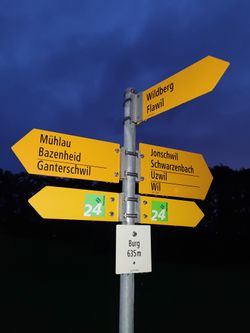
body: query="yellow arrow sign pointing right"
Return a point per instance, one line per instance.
(193, 81)
(173, 173)
(169, 212)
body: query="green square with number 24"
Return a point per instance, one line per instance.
(94, 205)
(159, 211)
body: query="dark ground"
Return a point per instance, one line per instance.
(58, 276)
(68, 285)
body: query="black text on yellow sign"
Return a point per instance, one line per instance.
(192, 82)
(61, 155)
(173, 173)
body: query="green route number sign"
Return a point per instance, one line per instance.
(94, 205)
(159, 211)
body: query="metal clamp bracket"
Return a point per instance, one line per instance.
(123, 208)
(124, 165)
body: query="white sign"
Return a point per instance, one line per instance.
(133, 249)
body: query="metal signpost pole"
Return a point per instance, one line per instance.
(126, 320)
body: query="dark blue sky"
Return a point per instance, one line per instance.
(64, 66)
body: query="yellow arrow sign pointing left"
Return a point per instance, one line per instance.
(61, 155)
(75, 204)
(172, 212)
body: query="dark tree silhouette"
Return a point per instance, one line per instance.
(224, 230)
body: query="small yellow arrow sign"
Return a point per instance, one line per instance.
(193, 81)
(74, 204)
(169, 212)
(61, 155)
(173, 173)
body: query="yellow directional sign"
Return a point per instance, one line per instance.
(55, 154)
(74, 204)
(193, 81)
(173, 173)
(169, 212)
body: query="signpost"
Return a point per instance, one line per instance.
(61, 155)
(74, 204)
(162, 172)
(127, 281)
(172, 212)
(173, 173)
(193, 81)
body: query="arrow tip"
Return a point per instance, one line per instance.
(216, 69)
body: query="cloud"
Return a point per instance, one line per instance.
(65, 67)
